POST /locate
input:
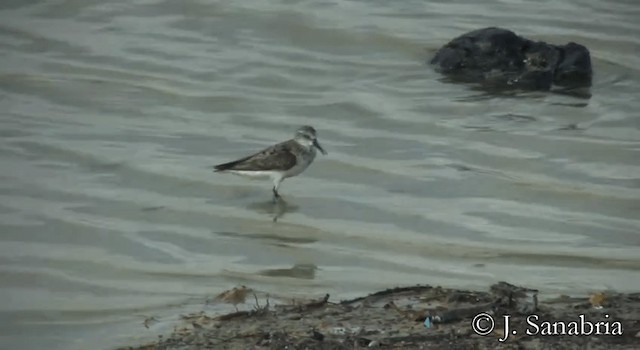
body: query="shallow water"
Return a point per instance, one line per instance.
(111, 114)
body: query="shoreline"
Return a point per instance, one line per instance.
(418, 317)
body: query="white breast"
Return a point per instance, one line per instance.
(264, 174)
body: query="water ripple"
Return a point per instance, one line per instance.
(114, 112)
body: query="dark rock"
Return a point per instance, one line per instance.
(499, 57)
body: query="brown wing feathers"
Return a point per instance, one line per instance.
(229, 165)
(278, 157)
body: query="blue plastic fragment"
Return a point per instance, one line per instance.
(427, 322)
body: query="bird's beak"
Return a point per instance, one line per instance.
(317, 145)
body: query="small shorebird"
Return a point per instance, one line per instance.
(280, 161)
(234, 296)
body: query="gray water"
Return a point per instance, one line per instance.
(112, 113)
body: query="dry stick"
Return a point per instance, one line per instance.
(257, 303)
(261, 309)
(233, 315)
(386, 292)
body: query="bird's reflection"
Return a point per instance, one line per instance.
(276, 209)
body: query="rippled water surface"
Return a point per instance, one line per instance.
(112, 113)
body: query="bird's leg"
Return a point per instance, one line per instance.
(276, 183)
(276, 196)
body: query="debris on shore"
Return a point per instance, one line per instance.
(421, 317)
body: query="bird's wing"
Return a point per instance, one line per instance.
(276, 157)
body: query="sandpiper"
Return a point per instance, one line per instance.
(235, 296)
(280, 161)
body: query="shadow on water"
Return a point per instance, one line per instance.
(266, 236)
(275, 209)
(583, 93)
(489, 93)
(153, 208)
(301, 271)
(487, 90)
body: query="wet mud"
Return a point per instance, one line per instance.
(418, 317)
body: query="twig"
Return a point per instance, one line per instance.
(389, 292)
(233, 315)
(257, 303)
